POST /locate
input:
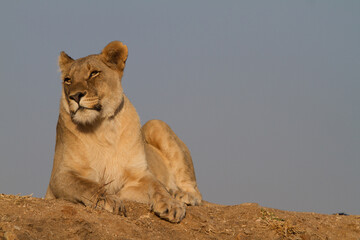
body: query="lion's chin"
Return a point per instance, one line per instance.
(85, 116)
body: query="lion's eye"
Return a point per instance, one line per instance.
(94, 74)
(67, 81)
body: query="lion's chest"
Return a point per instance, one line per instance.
(106, 157)
(108, 166)
(111, 162)
(113, 151)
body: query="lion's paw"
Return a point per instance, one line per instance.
(169, 209)
(192, 199)
(111, 203)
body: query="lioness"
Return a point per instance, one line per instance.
(103, 156)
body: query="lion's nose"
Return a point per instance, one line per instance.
(77, 96)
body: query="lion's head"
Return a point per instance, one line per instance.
(92, 85)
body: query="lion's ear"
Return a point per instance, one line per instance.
(115, 53)
(64, 60)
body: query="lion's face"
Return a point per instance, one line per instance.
(92, 85)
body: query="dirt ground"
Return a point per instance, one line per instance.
(25, 217)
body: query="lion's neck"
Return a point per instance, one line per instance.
(109, 131)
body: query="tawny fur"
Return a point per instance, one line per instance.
(103, 156)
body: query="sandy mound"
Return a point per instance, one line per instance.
(34, 218)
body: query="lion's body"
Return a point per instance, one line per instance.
(102, 154)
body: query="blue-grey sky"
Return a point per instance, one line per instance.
(264, 93)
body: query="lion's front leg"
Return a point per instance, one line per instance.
(72, 187)
(149, 190)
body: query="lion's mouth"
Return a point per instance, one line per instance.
(97, 108)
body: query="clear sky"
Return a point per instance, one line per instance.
(264, 93)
